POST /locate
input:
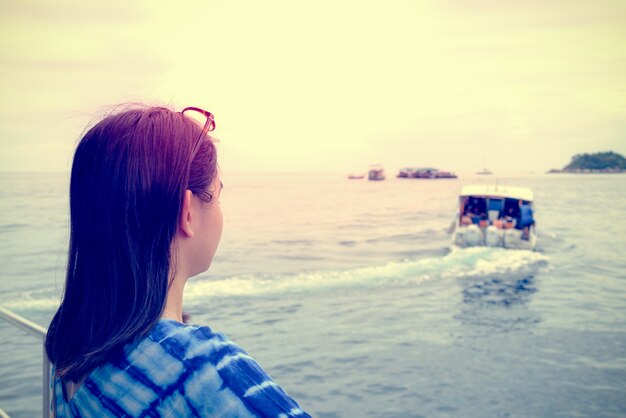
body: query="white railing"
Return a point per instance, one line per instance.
(36, 331)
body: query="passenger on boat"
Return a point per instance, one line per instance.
(477, 209)
(145, 217)
(464, 219)
(526, 218)
(511, 213)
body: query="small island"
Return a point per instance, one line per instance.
(600, 162)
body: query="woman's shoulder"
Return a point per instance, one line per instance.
(211, 370)
(173, 348)
(178, 339)
(180, 370)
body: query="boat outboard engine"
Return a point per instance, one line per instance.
(473, 235)
(493, 236)
(512, 239)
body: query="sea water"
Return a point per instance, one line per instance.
(349, 294)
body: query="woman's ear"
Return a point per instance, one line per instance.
(184, 223)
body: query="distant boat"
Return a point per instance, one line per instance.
(424, 173)
(484, 172)
(356, 176)
(376, 173)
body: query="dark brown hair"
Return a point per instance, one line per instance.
(129, 176)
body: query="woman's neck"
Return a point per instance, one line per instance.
(174, 303)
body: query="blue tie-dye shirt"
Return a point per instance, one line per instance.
(179, 371)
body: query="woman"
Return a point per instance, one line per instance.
(145, 216)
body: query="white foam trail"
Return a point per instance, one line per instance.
(458, 263)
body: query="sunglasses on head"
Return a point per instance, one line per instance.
(196, 114)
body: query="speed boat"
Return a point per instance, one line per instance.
(495, 216)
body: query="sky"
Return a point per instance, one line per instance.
(515, 86)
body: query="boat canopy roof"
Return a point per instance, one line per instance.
(520, 193)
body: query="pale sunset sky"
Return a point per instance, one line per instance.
(517, 86)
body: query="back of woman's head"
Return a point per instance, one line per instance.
(129, 176)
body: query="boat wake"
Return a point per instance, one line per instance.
(459, 263)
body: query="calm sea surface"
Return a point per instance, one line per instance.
(349, 294)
